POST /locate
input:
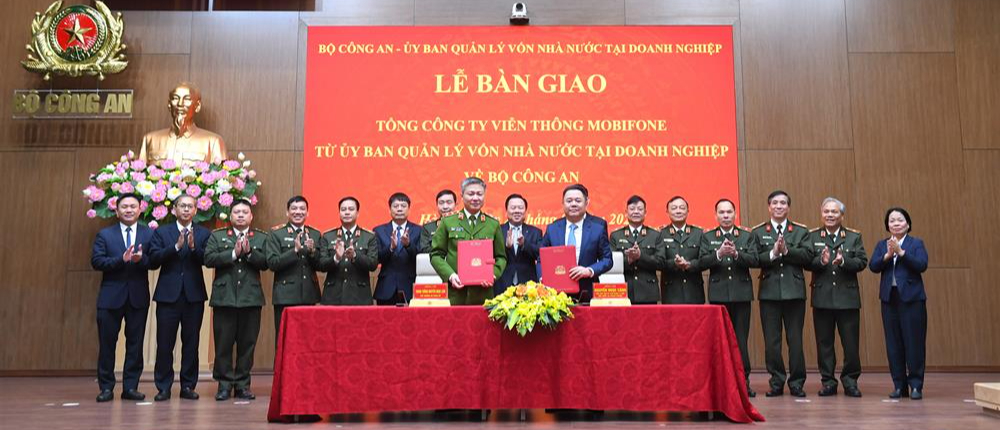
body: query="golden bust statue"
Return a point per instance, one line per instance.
(183, 141)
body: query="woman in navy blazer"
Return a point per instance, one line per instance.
(901, 259)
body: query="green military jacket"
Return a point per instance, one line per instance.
(729, 279)
(427, 235)
(455, 228)
(640, 275)
(348, 282)
(681, 286)
(295, 280)
(782, 278)
(237, 281)
(833, 286)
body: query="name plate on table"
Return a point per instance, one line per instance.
(610, 295)
(425, 295)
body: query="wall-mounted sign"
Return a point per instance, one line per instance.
(72, 104)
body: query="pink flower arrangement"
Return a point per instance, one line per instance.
(160, 212)
(215, 187)
(204, 203)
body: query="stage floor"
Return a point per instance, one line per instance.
(68, 402)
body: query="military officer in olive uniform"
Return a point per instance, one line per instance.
(349, 255)
(293, 255)
(680, 279)
(445, 206)
(839, 255)
(640, 247)
(469, 224)
(783, 251)
(728, 254)
(237, 255)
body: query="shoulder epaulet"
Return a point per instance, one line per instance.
(664, 227)
(758, 226)
(365, 230)
(852, 230)
(309, 227)
(220, 229)
(696, 226)
(815, 229)
(278, 227)
(799, 224)
(622, 228)
(331, 230)
(491, 217)
(258, 230)
(741, 228)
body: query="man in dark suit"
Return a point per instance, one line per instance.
(588, 233)
(179, 249)
(118, 252)
(522, 242)
(398, 246)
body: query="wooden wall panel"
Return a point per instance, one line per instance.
(244, 63)
(31, 335)
(159, 32)
(795, 74)
(372, 12)
(651, 12)
(908, 147)
(489, 12)
(900, 25)
(78, 334)
(977, 36)
(983, 180)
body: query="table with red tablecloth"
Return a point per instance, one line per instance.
(641, 358)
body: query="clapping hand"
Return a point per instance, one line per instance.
(839, 259)
(825, 256)
(633, 253)
(406, 238)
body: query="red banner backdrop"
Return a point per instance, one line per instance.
(624, 110)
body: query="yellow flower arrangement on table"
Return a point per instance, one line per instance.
(522, 306)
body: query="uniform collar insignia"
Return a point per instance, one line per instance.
(822, 233)
(768, 228)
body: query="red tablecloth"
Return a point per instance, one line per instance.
(641, 358)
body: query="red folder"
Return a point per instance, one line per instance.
(475, 262)
(556, 262)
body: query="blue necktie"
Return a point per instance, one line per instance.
(572, 235)
(128, 237)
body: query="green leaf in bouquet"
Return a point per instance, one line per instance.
(512, 320)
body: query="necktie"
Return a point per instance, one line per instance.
(779, 230)
(571, 241)
(399, 237)
(128, 237)
(347, 237)
(472, 221)
(515, 236)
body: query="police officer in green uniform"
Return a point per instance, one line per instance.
(293, 255)
(445, 206)
(640, 247)
(469, 224)
(783, 251)
(680, 278)
(237, 255)
(839, 255)
(349, 255)
(728, 254)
